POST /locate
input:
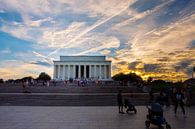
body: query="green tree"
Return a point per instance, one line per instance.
(44, 76)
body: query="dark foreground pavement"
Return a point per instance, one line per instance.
(107, 117)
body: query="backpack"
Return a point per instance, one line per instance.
(178, 97)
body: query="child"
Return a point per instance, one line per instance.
(129, 106)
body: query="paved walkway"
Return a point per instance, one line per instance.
(37, 117)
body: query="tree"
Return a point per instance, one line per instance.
(27, 78)
(44, 76)
(119, 77)
(1, 81)
(149, 79)
(158, 85)
(125, 78)
(133, 77)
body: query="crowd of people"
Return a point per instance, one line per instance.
(71, 82)
(178, 96)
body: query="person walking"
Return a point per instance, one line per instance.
(120, 102)
(188, 92)
(151, 96)
(23, 86)
(179, 98)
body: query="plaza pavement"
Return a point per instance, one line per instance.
(90, 117)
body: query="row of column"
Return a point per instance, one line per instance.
(74, 71)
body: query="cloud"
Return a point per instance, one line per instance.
(39, 22)
(91, 42)
(182, 65)
(149, 35)
(192, 44)
(104, 43)
(41, 63)
(96, 8)
(140, 15)
(18, 69)
(122, 63)
(61, 38)
(20, 32)
(163, 59)
(185, 67)
(5, 51)
(29, 7)
(151, 67)
(105, 52)
(134, 65)
(90, 28)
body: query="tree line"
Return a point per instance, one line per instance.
(156, 85)
(42, 77)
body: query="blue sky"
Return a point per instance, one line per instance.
(149, 37)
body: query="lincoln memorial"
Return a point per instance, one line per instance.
(82, 67)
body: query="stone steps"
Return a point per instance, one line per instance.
(64, 100)
(68, 89)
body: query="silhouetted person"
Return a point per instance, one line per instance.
(151, 94)
(23, 86)
(120, 102)
(129, 106)
(188, 92)
(179, 97)
(160, 99)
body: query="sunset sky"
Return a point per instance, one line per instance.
(149, 37)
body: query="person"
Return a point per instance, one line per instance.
(179, 98)
(47, 83)
(160, 98)
(120, 102)
(23, 86)
(188, 95)
(129, 106)
(151, 94)
(78, 82)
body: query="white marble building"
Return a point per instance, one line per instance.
(93, 67)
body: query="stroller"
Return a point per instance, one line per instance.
(129, 106)
(155, 116)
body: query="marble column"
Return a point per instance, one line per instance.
(74, 73)
(104, 71)
(100, 70)
(85, 71)
(95, 71)
(79, 71)
(54, 72)
(58, 71)
(68, 71)
(89, 71)
(63, 72)
(109, 69)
